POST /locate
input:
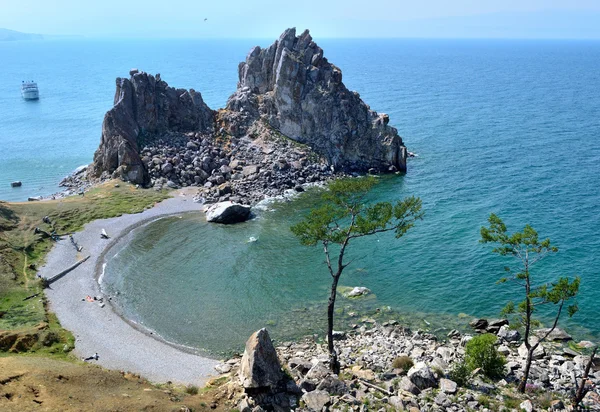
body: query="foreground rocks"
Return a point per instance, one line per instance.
(290, 122)
(369, 381)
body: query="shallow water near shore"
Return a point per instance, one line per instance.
(509, 127)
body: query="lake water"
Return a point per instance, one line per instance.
(510, 127)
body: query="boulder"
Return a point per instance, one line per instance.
(358, 291)
(227, 213)
(448, 386)
(332, 385)
(260, 366)
(422, 376)
(316, 400)
(407, 385)
(538, 353)
(478, 324)
(526, 406)
(557, 334)
(318, 372)
(509, 335)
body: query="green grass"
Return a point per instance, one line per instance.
(22, 252)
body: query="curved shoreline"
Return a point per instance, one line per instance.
(120, 343)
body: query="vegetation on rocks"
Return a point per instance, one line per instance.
(480, 352)
(527, 249)
(345, 216)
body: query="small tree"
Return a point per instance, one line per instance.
(344, 216)
(527, 249)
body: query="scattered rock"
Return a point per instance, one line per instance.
(556, 335)
(316, 400)
(422, 376)
(358, 291)
(448, 386)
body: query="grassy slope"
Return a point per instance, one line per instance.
(22, 251)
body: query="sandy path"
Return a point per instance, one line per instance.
(99, 330)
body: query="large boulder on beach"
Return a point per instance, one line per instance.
(260, 367)
(290, 87)
(227, 213)
(144, 108)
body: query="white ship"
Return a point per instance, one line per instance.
(29, 90)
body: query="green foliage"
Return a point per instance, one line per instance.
(402, 362)
(527, 249)
(191, 390)
(345, 215)
(460, 373)
(481, 352)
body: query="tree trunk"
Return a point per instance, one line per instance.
(523, 383)
(581, 390)
(333, 359)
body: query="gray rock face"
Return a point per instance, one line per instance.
(557, 334)
(145, 106)
(260, 366)
(227, 213)
(292, 88)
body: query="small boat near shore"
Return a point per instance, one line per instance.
(29, 90)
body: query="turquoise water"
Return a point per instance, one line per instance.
(509, 127)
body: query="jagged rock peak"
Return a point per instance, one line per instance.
(294, 89)
(144, 107)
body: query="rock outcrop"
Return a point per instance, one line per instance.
(291, 116)
(144, 108)
(294, 89)
(260, 366)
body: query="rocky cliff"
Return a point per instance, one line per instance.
(157, 135)
(293, 88)
(145, 108)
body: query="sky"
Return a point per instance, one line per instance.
(325, 19)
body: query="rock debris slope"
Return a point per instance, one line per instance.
(145, 107)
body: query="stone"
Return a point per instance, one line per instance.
(538, 353)
(227, 213)
(332, 385)
(497, 322)
(316, 400)
(17, 183)
(358, 291)
(318, 372)
(478, 324)
(422, 376)
(396, 402)
(508, 335)
(260, 366)
(526, 406)
(223, 368)
(448, 386)
(556, 335)
(406, 385)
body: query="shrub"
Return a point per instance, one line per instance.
(460, 373)
(481, 353)
(402, 362)
(191, 390)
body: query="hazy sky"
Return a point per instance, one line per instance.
(268, 18)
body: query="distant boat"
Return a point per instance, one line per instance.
(29, 90)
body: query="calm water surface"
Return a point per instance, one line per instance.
(510, 127)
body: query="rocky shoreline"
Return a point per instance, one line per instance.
(372, 379)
